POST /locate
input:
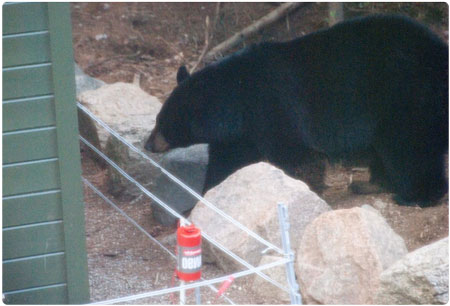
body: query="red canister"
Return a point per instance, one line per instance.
(189, 253)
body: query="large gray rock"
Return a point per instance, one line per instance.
(421, 277)
(131, 112)
(342, 255)
(250, 195)
(86, 126)
(189, 165)
(125, 107)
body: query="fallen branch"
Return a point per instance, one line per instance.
(237, 38)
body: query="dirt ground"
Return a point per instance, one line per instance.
(118, 41)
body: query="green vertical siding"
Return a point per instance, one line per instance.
(37, 44)
(24, 17)
(32, 240)
(27, 81)
(29, 145)
(44, 254)
(30, 177)
(46, 207)
(33, 272)
(28, 113)
(69, 152)
(42, 295)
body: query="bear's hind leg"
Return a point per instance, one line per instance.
(416, 175)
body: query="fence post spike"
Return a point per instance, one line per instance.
(296, 298)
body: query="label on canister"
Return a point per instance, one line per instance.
(189, 259)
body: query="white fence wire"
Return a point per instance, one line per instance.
(180, 183)
(176, 214)
(250, 268)
(192, 285)
(132, 221)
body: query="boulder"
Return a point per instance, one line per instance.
(342, 255)
(250, 195)
(264, 289)
(189, 165)
(86, 126)
(131, 112)
(421, 277)
(125, 107)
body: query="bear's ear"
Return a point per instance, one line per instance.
(182, 74)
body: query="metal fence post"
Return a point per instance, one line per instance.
(296, 298)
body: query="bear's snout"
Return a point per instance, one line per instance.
(156, 143)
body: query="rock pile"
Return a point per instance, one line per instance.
(131, 112)
(250, 195)
(347, 256)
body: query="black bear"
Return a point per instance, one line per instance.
(375, 86)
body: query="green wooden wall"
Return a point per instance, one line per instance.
(44, 253)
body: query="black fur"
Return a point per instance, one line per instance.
(374, 86)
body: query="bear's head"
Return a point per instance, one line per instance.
(201, 109)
